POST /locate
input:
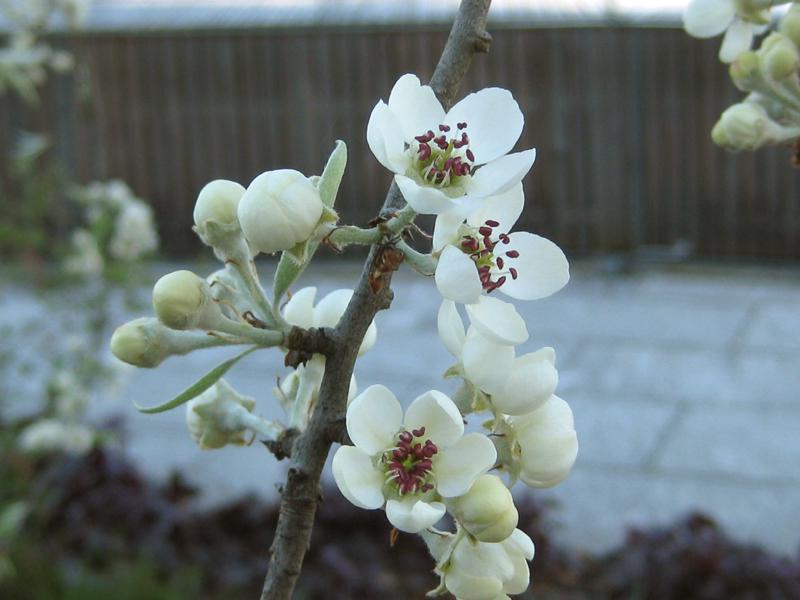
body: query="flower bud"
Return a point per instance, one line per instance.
(546, 444)
(182, 300)
(279, 210)
(219, 416)
(742, 126)
(779, 57)
(487, 510)
(790, 24)
(529, 384)
(745, 72)
(146, 342)
(217, 202)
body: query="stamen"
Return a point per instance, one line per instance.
(512, 254)
(492, 223)
(444, 128)
(513, 272)
(461, 125)
(470, 155)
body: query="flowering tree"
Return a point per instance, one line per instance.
(770, 114)
(449, 160)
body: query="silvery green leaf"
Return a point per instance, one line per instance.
(199, 387)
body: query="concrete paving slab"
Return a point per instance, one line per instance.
(775, 326)
(596, 505)
(750, 445)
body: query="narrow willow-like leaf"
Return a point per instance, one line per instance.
(199, 387)
(294, 261)
(332, 174)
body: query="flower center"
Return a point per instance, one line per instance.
(408, 464)
(441, 160)
(482, 249)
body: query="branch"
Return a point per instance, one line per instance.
(301, 493)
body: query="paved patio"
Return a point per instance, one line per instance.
(683, 380)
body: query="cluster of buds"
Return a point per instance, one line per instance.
(770, 114)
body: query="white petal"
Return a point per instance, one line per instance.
(521, 578)
(498, 321)
(494, 122)
(737, 39)
(412, 516)
(531, 382)
(451, 328)
(548, 443)
(456, 467)
(331, 308)
(358, 480)
(441, 418)
(299, 310)
(457, 276)
(424, 199)
(504, 208)
(445, 228)
(386, 139)
(416, 106)
(465, 586)
(373, 419)
(522, 543)
(542, 268)
(708, 18)
(500, 175)
(486, 363)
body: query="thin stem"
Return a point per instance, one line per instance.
(421, 263)
(301, 492)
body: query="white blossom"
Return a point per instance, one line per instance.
(487, 510)
(488, 571)
(738, 21)
(448, 160)
(52, 435)
(479, 254)
(544, 443)
(134, 233)
(84, 258)
(409, 464)
(517, 385)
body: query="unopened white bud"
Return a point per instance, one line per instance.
(219, 416)
(779, 57)
(146, 342)
(216, 221)
(790, 24)
(182, 300)
(279, 210)
(744, 71)
(529, 384)
(545, 443)
(487, 510)
(742, 126)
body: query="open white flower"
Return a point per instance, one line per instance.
(738, 21)
(448, 160)
(489, 571)
(408, 463)
(479, 255)
(544, 443)
(517, 385)
(300, 311)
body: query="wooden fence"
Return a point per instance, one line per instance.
(620, 117)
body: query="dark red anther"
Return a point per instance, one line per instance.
(484, 231)
(500, 262)
(512, 254)
(492, 223)
(424, 138)
(470, 155)
(406, 437)
(444, 128)
(427, 487)
(469, 243)
(398, 454)
(513, 272)
(447, 165)
(488, 243)
(464, 169)
(500, 281)
(418, 432)
(462, 125)
(504, 238)
(424, 152)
